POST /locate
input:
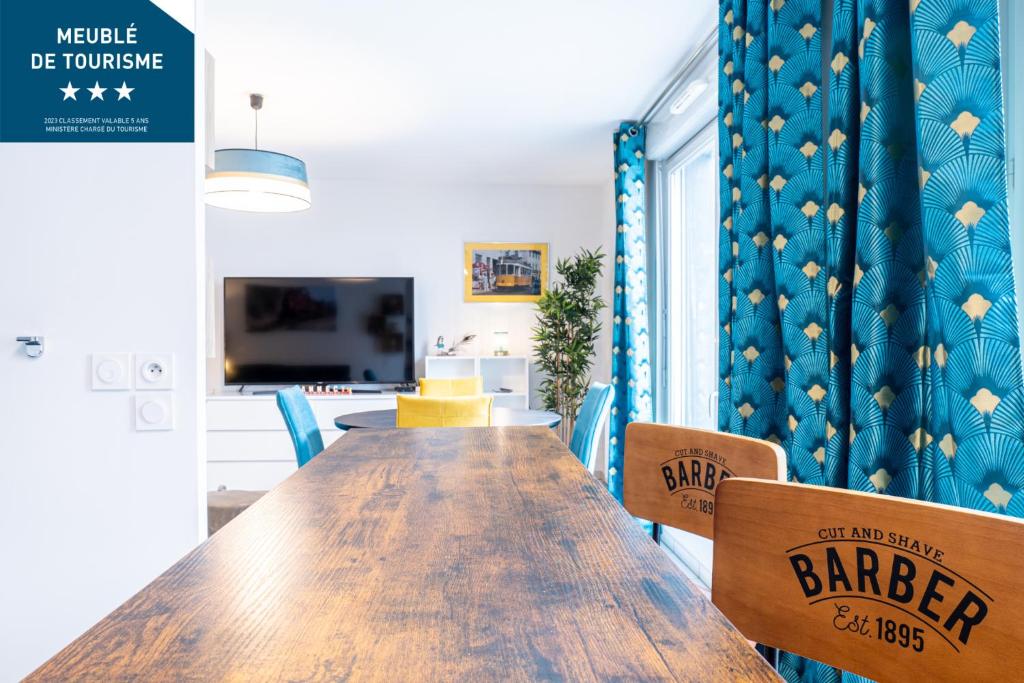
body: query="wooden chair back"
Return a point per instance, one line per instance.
(670, 474)
(888, 588)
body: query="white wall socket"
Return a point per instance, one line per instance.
(154, 412)
(154, 371)
(111, 371)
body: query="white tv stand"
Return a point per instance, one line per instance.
(247, 443)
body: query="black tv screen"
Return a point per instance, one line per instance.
(302, 330)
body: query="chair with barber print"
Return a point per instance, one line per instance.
(670, 474)
(888, 588)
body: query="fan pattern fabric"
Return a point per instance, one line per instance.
(867, 304)
(926, 287)
(774, 355)
(631, 367)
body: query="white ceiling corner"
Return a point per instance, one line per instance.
(462, 90)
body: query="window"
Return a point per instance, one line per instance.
(688, 248)
(1011, 30)
(691, 268)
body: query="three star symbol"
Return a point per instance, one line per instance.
(69, 92)
(123, 93)
(96, 91)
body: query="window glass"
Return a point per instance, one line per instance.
(689, 192)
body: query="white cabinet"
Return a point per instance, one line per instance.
(247, 443)
(499, 372)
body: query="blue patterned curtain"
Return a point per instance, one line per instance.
(867, 307)
(774, 356)
(631, 366)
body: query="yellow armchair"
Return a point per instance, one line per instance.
(456, 411)
(458, 386)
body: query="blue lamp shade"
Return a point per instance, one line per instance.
(256, 180)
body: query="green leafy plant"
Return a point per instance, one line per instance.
(567, 328)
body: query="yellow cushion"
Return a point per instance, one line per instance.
(459, 386)
(458, 411)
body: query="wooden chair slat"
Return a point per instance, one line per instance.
(884, 587)
(670, 473)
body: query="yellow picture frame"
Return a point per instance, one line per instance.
(489, 278)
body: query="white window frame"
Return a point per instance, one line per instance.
(1011, 27)
(675, 370)
(694, 552)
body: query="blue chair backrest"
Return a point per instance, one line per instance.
(593, 413)
(301, 421)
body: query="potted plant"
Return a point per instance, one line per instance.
(566, 333)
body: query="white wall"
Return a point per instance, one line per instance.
(96, 256)
(102, 246)
(362, 228)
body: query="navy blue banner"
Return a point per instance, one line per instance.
(108, 71)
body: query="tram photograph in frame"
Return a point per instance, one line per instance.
(505, 271)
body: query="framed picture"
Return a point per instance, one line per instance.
(511, 272)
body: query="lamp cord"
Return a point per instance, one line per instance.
(256, 135)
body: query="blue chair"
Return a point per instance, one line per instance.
(301, 421)
(594, 412)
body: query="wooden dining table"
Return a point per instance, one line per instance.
(486, 554)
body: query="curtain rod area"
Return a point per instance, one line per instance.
(708, 43)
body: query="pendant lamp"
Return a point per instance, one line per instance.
(255, 179)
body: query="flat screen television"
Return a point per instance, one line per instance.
(305, 330)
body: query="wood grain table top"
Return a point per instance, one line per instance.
(421, 555)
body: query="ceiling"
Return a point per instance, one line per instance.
(527, 91)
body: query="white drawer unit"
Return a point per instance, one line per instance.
(247, 442)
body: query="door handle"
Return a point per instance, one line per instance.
(712, 400)
(33, 346)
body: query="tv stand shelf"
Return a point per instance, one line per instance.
(247, 443)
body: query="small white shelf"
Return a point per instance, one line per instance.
(498, 372)
(451, 367)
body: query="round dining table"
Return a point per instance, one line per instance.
(500, 417)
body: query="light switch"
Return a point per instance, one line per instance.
(154, 371)
(110, 371)
(154, 412)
